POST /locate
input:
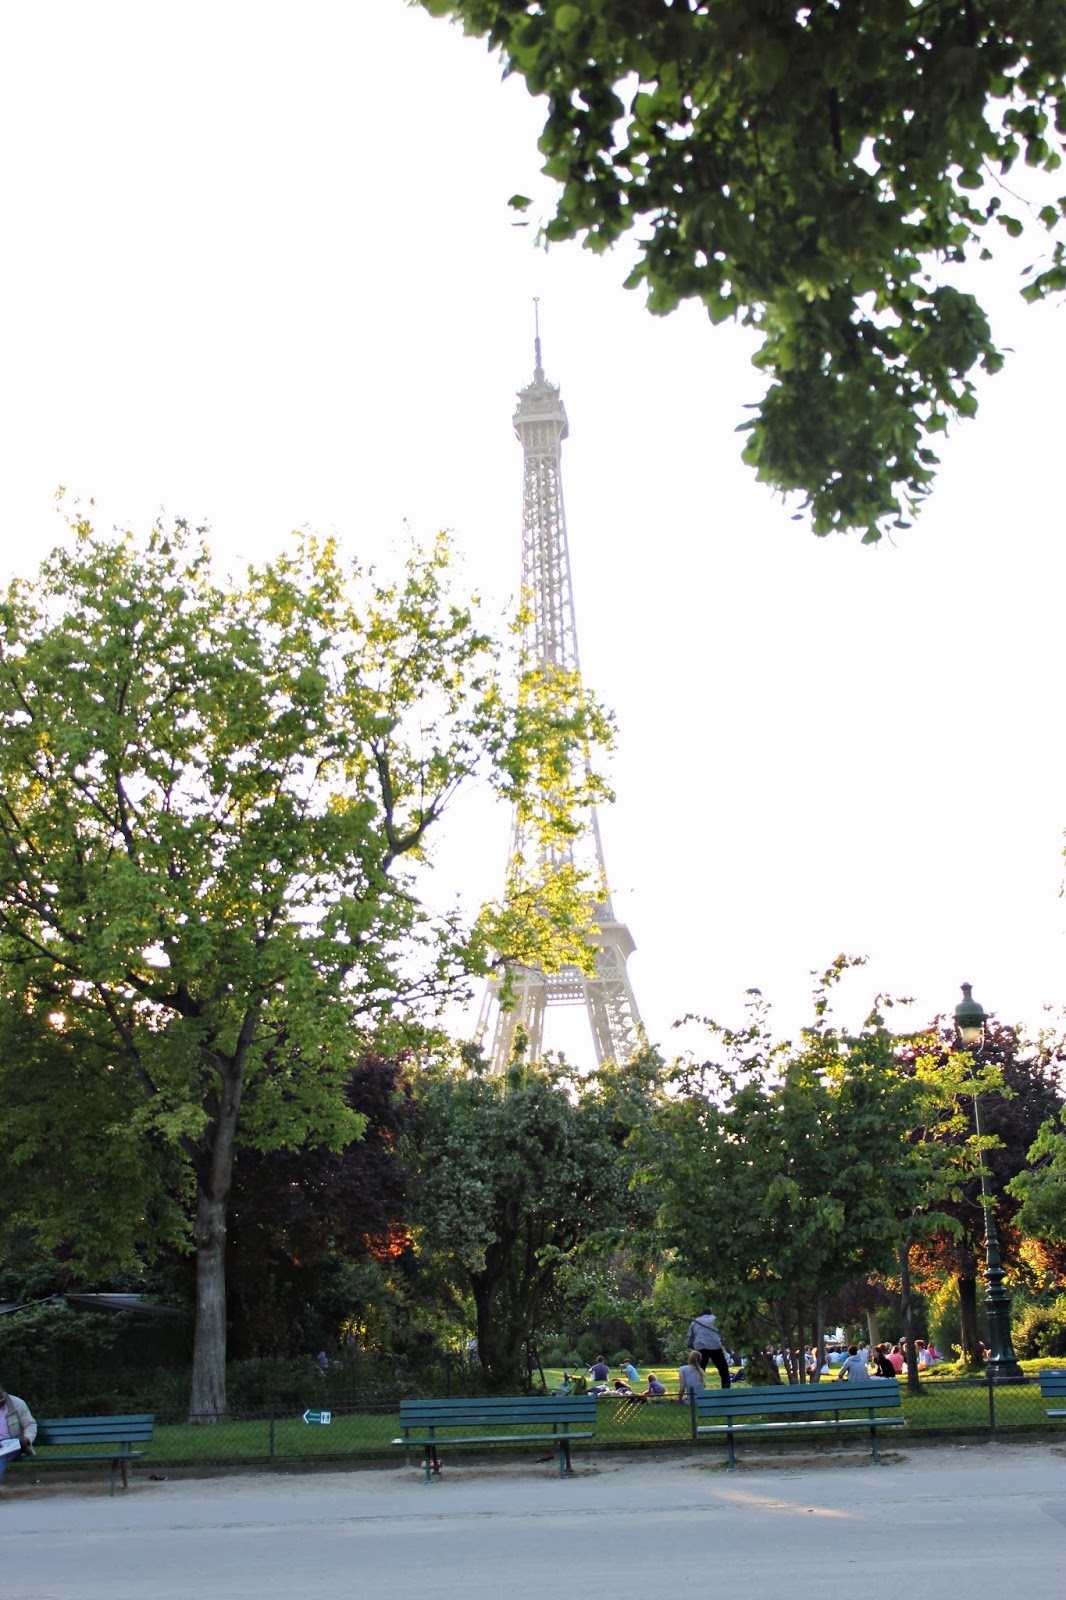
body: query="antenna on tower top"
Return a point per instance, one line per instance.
(538, 371)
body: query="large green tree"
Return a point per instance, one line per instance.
(517, 1176)
(785, 1168)
(811, 169)
(214, 797)
(1016, 1081)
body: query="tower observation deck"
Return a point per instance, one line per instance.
(550, 639)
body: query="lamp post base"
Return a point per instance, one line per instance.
(1003, 1369)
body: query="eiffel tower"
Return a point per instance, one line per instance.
(550, 638)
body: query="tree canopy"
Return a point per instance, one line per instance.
(211, 795)
(818, 171)
(785, 1168)
(1015, 1080)
(519, 1174)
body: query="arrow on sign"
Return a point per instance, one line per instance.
(325, 1417)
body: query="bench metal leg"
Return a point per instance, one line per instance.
(732, 1453)
(432, 1462)
(564, 1458)
(873, 1447)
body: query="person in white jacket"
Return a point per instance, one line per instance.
(16, 1422)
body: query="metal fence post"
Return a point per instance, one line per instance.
(991, 1400)
(692, 1409)
(272, 1433)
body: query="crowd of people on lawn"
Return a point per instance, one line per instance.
(706, 1348)
(864, 1361)
(861, 1363)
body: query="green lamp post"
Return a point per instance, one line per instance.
(970, 1021)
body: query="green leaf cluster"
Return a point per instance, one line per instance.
(809, 170)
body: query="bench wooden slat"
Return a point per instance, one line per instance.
(825, 1422)
(95, 1430)
(829, 1396)
(429, 1424)
(493, 1438)
(563, 1407)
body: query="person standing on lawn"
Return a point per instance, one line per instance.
(706, 1341)
(16, 1422)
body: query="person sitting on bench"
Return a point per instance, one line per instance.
(16, 1424)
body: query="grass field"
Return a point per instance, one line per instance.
(944, 1406)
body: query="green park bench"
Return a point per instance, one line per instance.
(63, 1439)
(1053, 1387)
(433, 1425)
(795, 1407)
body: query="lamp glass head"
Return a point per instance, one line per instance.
(969, 1017)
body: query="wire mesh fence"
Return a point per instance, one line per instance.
(281, 1435)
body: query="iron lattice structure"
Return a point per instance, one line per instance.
(551, 640)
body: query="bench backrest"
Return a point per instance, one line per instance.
(1053, 1385)
(96, 1430)
(744, 1400)
(556, 1409)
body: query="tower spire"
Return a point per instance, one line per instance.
(550, 638)
(538, 369)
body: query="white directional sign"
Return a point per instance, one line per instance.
(325, 1417)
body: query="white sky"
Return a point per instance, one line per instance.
(260, 270)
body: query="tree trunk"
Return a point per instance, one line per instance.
(873, 1329)
(819, 1340)
(969, 1336)
(500, 1337)
(484, 1297)
(207, 1397)
(906, 1312)
(786, 1343)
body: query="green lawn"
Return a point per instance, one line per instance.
(944, 1406)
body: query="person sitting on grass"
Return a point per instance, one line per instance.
(623, 1393)
(655, 1389)
(690, 1377)
(853, 1367)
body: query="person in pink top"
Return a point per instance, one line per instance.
(895, 1357)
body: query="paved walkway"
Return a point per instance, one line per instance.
(986, 1520)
